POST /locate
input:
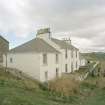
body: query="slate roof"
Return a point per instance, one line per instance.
(36, 45)
(63, 44)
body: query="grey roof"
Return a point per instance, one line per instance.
(63, 44)
(36, 45)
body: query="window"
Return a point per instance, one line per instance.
(66, 55)
(46, 76)
(57, 58)
(66, 68)
(44, 58)
(11, 60)
(57, 72)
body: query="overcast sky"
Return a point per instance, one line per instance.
(82, 20)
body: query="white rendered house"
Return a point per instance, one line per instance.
(44, 58)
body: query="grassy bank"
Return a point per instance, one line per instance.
(26, 92)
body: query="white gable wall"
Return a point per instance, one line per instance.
(26, 62)
(32, 64)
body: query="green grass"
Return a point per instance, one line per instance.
(15, 92)
(93, 93)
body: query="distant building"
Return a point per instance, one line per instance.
(4, 48)
(83, 60)
(44, 58)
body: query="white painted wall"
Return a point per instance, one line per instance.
(50, 67)
(70, 61)
(26, 62)
(32, 64)
(76, 60)
(65, 61)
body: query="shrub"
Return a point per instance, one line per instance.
(88, 85)
(100, 83)
(43, 86)
(30, 85)
(2, 82)
(64, 87)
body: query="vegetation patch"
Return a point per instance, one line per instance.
(64, 87)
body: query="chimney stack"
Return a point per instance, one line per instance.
(67, 40)
(44, 33)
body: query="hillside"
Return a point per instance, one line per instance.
(15, 91)
(94, 56)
